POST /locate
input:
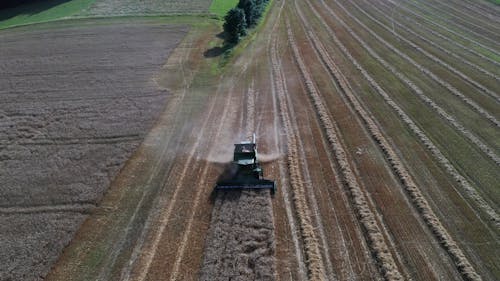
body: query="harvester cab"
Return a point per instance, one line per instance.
(245, 170)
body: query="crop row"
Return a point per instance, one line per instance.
(366, 215)
(412, 189)
(479, 17)
(483, 147)
(485, 11)
(422, 137)
(314, 261)
(428, 55)
(446, 29)
(443, 37)
(453, 23)
(444, 50)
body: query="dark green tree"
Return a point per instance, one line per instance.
(235, 25)
(252, 11)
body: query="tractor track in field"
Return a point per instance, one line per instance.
(454, 24)
(202, 185)
(418, 91)
(424, 139)
(443, 37)
(416, 197)
(446, 29)
(149, 253)
(126, 271)
(106, 270)
(430, 56)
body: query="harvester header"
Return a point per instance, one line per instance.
(245, 169)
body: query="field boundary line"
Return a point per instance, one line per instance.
(106, 270)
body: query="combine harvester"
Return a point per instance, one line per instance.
(245, 171)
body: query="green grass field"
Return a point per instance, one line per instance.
(41, 12)
(221, 7)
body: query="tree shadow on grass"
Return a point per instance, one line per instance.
(27, 7)
(219, 50)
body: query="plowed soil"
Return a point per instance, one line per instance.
(378, 121)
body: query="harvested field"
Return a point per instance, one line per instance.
(148, 7)
(75, 104)
(378, 120)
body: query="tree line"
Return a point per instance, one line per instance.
(244, 16)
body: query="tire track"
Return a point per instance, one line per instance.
(412, 190)
(442, 160)
(415, 89)
(314, 261)
(149, 253)
(104, 273)
(374, 234)
(200, 189)
(173, 106)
